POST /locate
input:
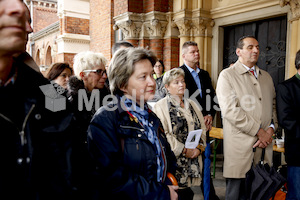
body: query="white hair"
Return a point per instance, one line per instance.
(87, 60)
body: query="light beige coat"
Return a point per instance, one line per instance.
(246, 105)
(161, 109)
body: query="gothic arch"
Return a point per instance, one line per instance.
(37, 58)
(48, 58)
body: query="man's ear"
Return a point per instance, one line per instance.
(237, 51)
(183, 56)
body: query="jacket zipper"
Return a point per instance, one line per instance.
(139, 135)
(134, 128)
(22, 132)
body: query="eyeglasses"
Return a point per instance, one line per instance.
(97, 71)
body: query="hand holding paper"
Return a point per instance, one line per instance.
(193, 139)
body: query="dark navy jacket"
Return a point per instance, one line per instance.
(126, 159)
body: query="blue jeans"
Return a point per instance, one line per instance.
(293, 183)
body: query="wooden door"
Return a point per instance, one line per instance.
(271, 35)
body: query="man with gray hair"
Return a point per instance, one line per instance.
(288, 109)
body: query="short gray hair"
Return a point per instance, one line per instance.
(122, 66)
(187, 44)
(171, 75)
(87, 60)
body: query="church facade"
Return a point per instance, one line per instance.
(63, 28)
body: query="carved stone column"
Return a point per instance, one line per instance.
(184, 27)
(295, 31)
(130, 29)
(156, 28)
(202, 28)
(199, 29)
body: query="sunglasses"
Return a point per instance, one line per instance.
(97, 71)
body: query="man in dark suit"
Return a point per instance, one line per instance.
(198, 82)
(288, 112)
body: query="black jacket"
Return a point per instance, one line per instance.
(208, 92)
(126, 159)
(77, 101)
(288, 111)
(36, 166)
(83, 167)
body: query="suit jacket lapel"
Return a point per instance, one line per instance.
(189, 79)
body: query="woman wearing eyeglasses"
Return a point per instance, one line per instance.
(125, 139)
(89, 81)
(86, 93)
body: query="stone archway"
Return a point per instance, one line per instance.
(37, 58)
(48, 60)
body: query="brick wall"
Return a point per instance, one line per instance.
(66, 57)
(135, 6)
(142, 6)
(157, 5)
(101, 26)
(135, 43)
(43, 17)
(76, 25)
(157, 45)
(145, 43)
(120, 6)
(171, 53)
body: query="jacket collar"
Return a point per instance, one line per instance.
(242, 70)
(125, 116)
(191, 69)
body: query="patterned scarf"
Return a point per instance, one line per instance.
(143, 117)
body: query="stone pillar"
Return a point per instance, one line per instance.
(184, 27)
(199, 27)
(294, 47)
(295, 31)
(208, 47)
(171, 44)
(202, 28)
(156, 29)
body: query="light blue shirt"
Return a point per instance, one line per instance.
(196, 77)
